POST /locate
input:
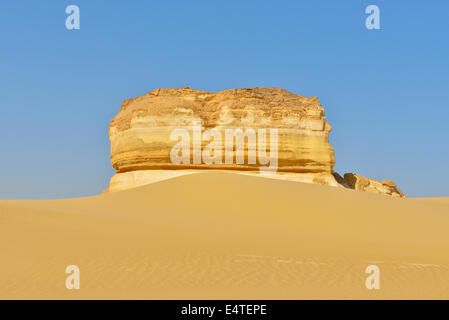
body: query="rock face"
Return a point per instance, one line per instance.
(140, 133)
(358, 182)
(142, 142)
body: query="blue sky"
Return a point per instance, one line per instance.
(385, 92)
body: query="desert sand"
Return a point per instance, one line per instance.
(221, 235)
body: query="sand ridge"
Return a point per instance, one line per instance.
(221, 235)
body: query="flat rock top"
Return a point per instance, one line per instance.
(271, 93)
(274, 103)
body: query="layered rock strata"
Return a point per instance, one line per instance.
(140, 133)
(147, 129)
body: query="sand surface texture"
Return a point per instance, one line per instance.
(219, 235)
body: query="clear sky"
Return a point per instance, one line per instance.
(385, 92)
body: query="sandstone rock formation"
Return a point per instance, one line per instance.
(141, 136)
(358, 182)
(140, 132)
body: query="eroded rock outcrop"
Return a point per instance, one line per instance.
(358, 182)
(140, 133)
(141, 141)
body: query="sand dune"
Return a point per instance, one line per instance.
(436, 200)
(223, 235)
